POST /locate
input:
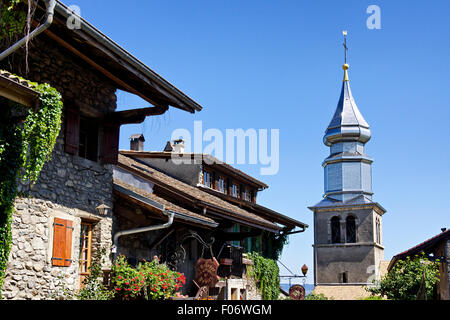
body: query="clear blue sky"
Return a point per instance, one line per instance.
(277, 64)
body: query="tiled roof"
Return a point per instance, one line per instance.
(420, 247)
(18, 90)
(209, 160)
(180, 187)
(167, 204)
(8, 75)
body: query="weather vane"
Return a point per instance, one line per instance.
(345, 44)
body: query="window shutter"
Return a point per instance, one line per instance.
(111, 143)
(72, 134)
(62, 242)
(68, 244)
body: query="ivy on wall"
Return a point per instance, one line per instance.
(12, 21)
(266, 273)
(24, 149)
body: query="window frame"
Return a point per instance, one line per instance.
(235, 190)
(335, 224)
(209, 174)
(350, 230)
(88, 250)
(222, 184)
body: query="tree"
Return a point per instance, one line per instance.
(407, 277)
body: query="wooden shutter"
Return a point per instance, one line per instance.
(62, 242)
(72, 133)
(111, 143)
(68, 244)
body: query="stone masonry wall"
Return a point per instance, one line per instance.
(69, 187)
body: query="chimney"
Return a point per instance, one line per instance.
(137, 142)
(444, 229)
(178, 146)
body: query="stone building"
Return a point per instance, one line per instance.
(215, 214)
(348, 241)
(67, 215)
(90, 197)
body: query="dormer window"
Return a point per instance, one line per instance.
(207, 181)
(221, 186)
(235, 190)
(247, 195)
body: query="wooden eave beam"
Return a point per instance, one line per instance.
(134, 115)
(18, 93)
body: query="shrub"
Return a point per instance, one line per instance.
(316, 296)
(405, 280)
(93, 288)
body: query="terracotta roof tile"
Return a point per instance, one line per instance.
(167, 204)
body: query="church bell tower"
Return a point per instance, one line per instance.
(348, 245)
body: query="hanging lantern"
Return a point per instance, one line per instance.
(304, 269)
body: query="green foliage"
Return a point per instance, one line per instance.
(372, 298)
(40, 131)
(266, 273)
(404, 281)
(277, 241)
(149, 281)
(316, 296)
(24, 148)
(93, 288)
(12, 21)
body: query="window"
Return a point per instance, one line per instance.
(221, 185)
(344, 277)
(335, 230)
(247, 195)
(62, 243)
(235, 190)
(207, 182)
(85, 247)
(88, 140)
(350, 226)
(81, 136)
(378, 230)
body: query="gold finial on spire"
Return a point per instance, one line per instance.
(345, 66)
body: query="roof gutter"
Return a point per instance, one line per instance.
(143, 229)
(50, 13)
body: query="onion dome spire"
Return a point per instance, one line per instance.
(347, 124)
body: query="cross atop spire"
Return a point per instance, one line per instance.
(345, 66)
(345, 45)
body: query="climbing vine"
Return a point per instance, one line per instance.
(277, 243)
(12, 21)
(266, 273)
(24, 148)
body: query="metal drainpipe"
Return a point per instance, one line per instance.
(143, 229)
(50, 12)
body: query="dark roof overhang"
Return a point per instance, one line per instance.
(180, 216)
(260, 210)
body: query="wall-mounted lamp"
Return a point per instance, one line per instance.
(103, 209)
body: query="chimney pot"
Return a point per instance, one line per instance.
(444, 229)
